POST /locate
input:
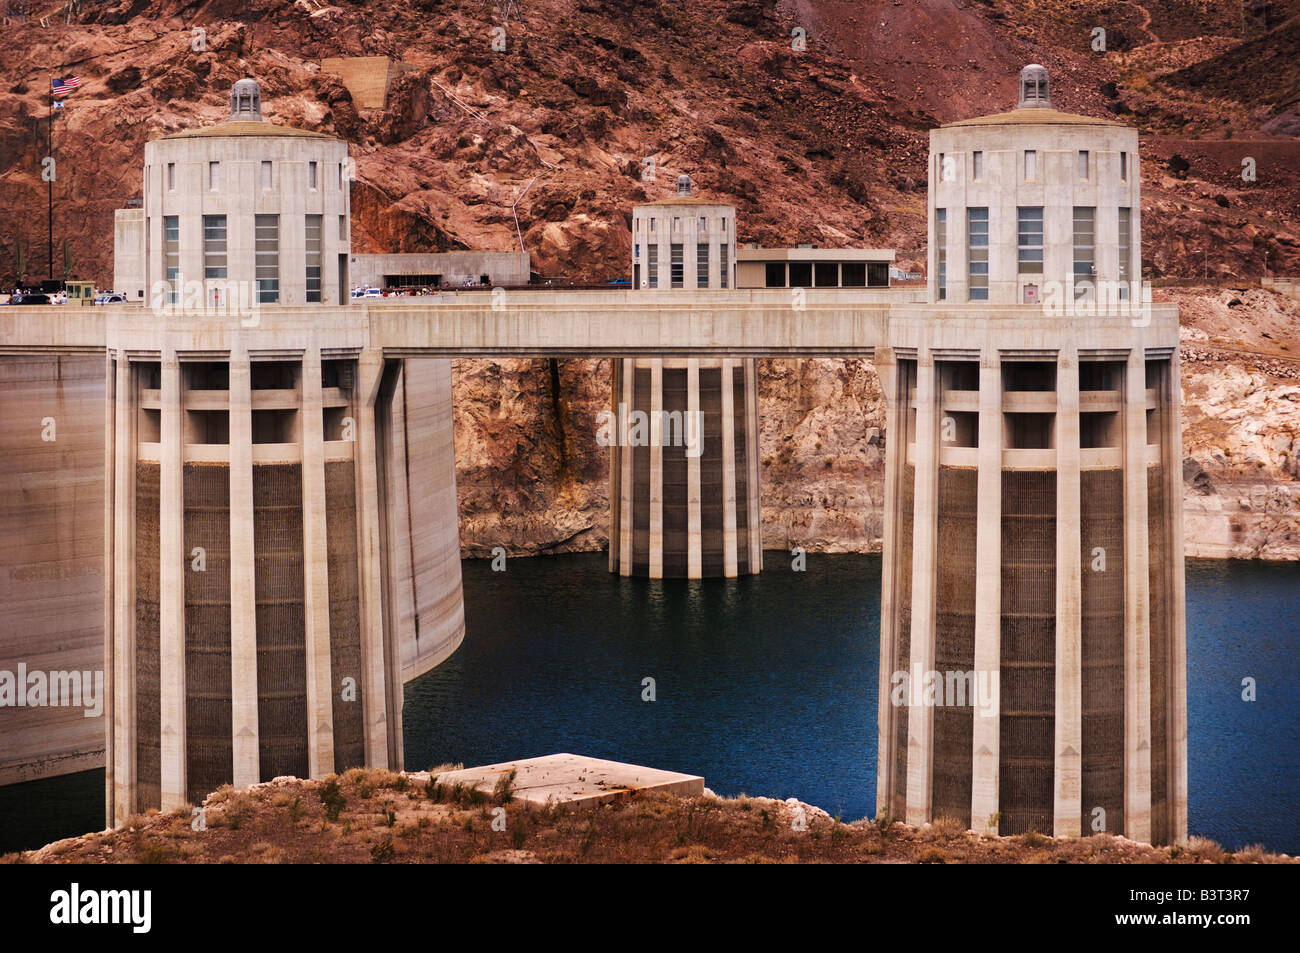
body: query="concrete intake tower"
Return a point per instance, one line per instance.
(1033, 534)
(684, 495)
(282, 504)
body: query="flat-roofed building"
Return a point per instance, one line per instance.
(433, 269)
(807, 267)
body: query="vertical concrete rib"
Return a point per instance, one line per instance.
(1170, 423)
(753, 483)
(1068, 742)
(370, 367)
(729, 558)
(895, 455)
(623, 454)
(243, 568)
(110, 611)
(656, 470)
(1137, 633)
(320, 722)
(694, 537)
(124, 704)
(986, 736)
(171, 596)
(920, 720)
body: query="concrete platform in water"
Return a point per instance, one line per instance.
(573, 780)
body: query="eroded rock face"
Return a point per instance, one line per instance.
(532, 478)
(1240, 442)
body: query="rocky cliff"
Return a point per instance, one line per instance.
(537, 121)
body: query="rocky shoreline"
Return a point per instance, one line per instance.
(375, 816)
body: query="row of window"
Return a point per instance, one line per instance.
(702, 225)
(267, 175)
(826, 274)
(266, 252)
(947, 166)
(676, 264)
(1029, 246)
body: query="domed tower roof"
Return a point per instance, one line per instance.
(1034, 106)
(246, 101)
(245, 118)
(1035, 88)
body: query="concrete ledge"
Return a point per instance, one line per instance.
(573, 780)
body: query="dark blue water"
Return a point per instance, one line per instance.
(1243, 771)
(763, 685)
(767, 685)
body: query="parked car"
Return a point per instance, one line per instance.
(372, 293)
(111, 298)
(30, 299)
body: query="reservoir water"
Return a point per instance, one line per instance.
(768, 685)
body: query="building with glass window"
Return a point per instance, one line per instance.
(684, 501)
(1033, 201)
(242, 212)
(1033, 658)
(809, 267)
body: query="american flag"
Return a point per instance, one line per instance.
(62, 86)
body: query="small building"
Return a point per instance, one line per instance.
(808, 267)
(683, 242)
(455, 268)
(243, 210)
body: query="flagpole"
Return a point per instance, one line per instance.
(49, 212)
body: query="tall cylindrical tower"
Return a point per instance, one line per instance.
(282, 525)
(684, 452)
(1033, 671)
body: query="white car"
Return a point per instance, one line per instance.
(372, 293)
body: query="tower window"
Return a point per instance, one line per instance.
(702, 264)
(704, 224)
(311, 175)
(171, 254)
(724, 263)
(677, 266)
(1083, 163)
(1084, 266)
(977, 165)
(1125, 249)
(1029, 240)
(266, 236)
(1123, 166)
(214, 176)
(266, 175)
(1031, 164)
(941, 249)
(652, 262)
(313, 257)
(171, 176)
(978, 253)
(214, 246)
